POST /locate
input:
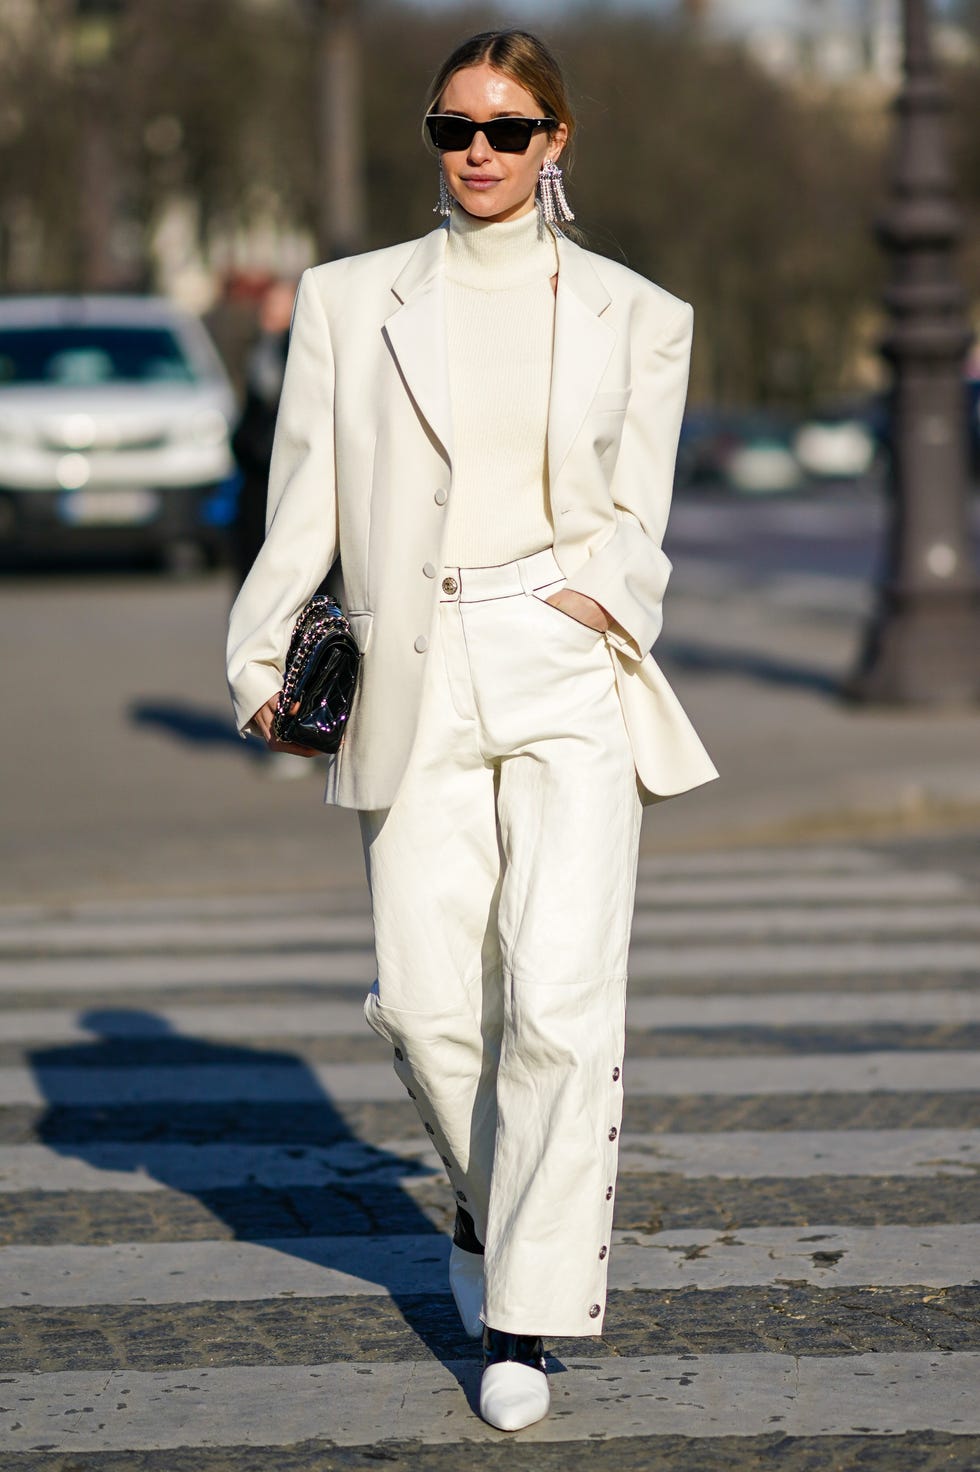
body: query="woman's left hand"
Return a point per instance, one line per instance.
(578, 606)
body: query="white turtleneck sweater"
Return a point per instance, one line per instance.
(500, 315)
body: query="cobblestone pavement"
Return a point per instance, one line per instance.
(223, 1245)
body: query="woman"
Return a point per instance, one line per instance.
(482, 425)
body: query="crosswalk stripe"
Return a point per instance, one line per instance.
(317, 900)
(773, 888)
(350, 967)
(329, 1267)
(763, 939)
(132, 923)
(350, 1404)
(745, 1154)
(272, 903)
(81, 938)
(141, 973)
(342, 1019)
(802, 1009)
(816, 959)
(843, 921)
(905, 1071)
(823, 921)
(765, 860)
(796, 1154)
(649, 924)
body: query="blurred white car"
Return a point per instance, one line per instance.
(836, 448)
(114, 429)
(763, 467)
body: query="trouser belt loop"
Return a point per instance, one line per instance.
(539, 569)
(525, 569)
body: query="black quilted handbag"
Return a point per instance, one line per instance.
(321, 673)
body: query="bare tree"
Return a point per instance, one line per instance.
(691, 165)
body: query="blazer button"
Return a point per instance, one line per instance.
(429, 569)
(421, 644)
(594, 1311)
(441, 496)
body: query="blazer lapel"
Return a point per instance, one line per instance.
(416, 334)
(583, 345)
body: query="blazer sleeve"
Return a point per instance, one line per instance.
(302, 534)
(628, 574)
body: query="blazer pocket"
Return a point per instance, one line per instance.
(361, 623)
(611, 403)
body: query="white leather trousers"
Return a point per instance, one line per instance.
(502, 883)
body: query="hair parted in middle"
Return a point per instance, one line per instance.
(519, 55)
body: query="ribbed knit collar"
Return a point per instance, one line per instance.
(493, 255)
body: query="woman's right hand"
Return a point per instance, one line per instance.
(262, 721)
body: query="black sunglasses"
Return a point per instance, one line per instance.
(451, 133)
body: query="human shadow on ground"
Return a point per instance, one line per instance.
(709, 659)
(140, 1096)
(191, 724)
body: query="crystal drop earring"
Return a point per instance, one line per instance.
(551, 194)
(444, 206)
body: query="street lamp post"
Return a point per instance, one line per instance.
(923, 644)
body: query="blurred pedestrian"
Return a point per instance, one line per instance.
(483, 425)
(251, 442)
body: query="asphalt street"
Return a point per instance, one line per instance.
(123, 772)
(223, 1235)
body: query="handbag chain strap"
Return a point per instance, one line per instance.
(314, 622)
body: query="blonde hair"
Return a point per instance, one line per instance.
(522, 57)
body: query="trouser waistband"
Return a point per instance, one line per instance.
(523, 575)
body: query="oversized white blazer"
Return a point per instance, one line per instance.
(362, 469)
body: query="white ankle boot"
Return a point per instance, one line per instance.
(514, 1389)
(466, 1282)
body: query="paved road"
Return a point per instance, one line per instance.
(223, 1244)
(123, 773)
(820, 549)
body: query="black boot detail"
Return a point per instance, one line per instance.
(523, 1349)
(464, 1233)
